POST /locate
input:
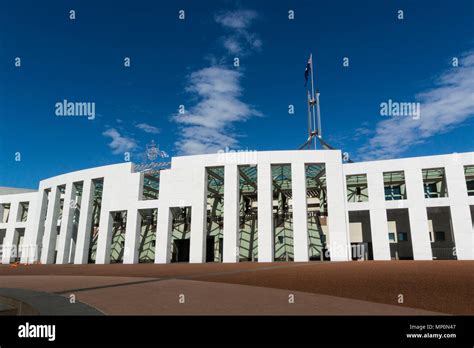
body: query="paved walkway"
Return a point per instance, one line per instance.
(433, 286)
(143, 295)
(30, 302)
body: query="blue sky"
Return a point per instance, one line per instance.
(190, 62)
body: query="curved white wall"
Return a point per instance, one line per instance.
(184, 184)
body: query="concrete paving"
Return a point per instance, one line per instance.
(259, 288)
(151, 296)
(30, 302)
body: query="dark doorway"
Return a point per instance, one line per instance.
(221, 248)
(210, 249)
(399, 234)
(181, 247)
(443, 245)
(360, 235)
(181, 233)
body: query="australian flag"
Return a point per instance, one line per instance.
(308, 69)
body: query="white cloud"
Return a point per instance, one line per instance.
(147, 128)
(119, 143)
(207, 126)
(445, 106)
(237, 20)
(232, 45)
(239, 41)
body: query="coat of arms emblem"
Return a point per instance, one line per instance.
(152, 151)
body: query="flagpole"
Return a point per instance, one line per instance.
(309, 119)
(312, 96)
(318, 113)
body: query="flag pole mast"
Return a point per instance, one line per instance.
(310, 131)
(312, 98)
(318, 114)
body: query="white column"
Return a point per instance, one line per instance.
(104, 240)
(378, 216)
(132, 236)
(300, 215)
(134, 221)
(463, 230)
(339, 244)
(9, 250)
(231, 213)
(36, 226)
(163, 235)
(51, 225)
(198, 219)
(266, 242)
(419, 228)
(16, 247)
(85, 223)
(30, 246)
(69, 206)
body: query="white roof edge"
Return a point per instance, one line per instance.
(4, 190)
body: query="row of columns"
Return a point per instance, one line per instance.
(11, 233)
(43, 237)
(418, 216)
(47, 233)
(45, 225)
(132, 237)
(339, 237)
(462, 223)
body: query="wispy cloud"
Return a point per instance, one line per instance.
(239, 40)
(147, 128)
(119, 143)
(208, 126)
(445, 106)
(208, 123)
(237, 20)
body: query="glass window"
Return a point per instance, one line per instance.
(393, 193)
(431, 191)
(5, 212)
(391, 237)
(394, 184)
(434, 182)
(23, 211)
(357, 190)
(396, 192)
(151, 185)
(402, 236)
(323, 238)
(470, 188)
(469, 174)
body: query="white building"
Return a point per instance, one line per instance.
(249, 206)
